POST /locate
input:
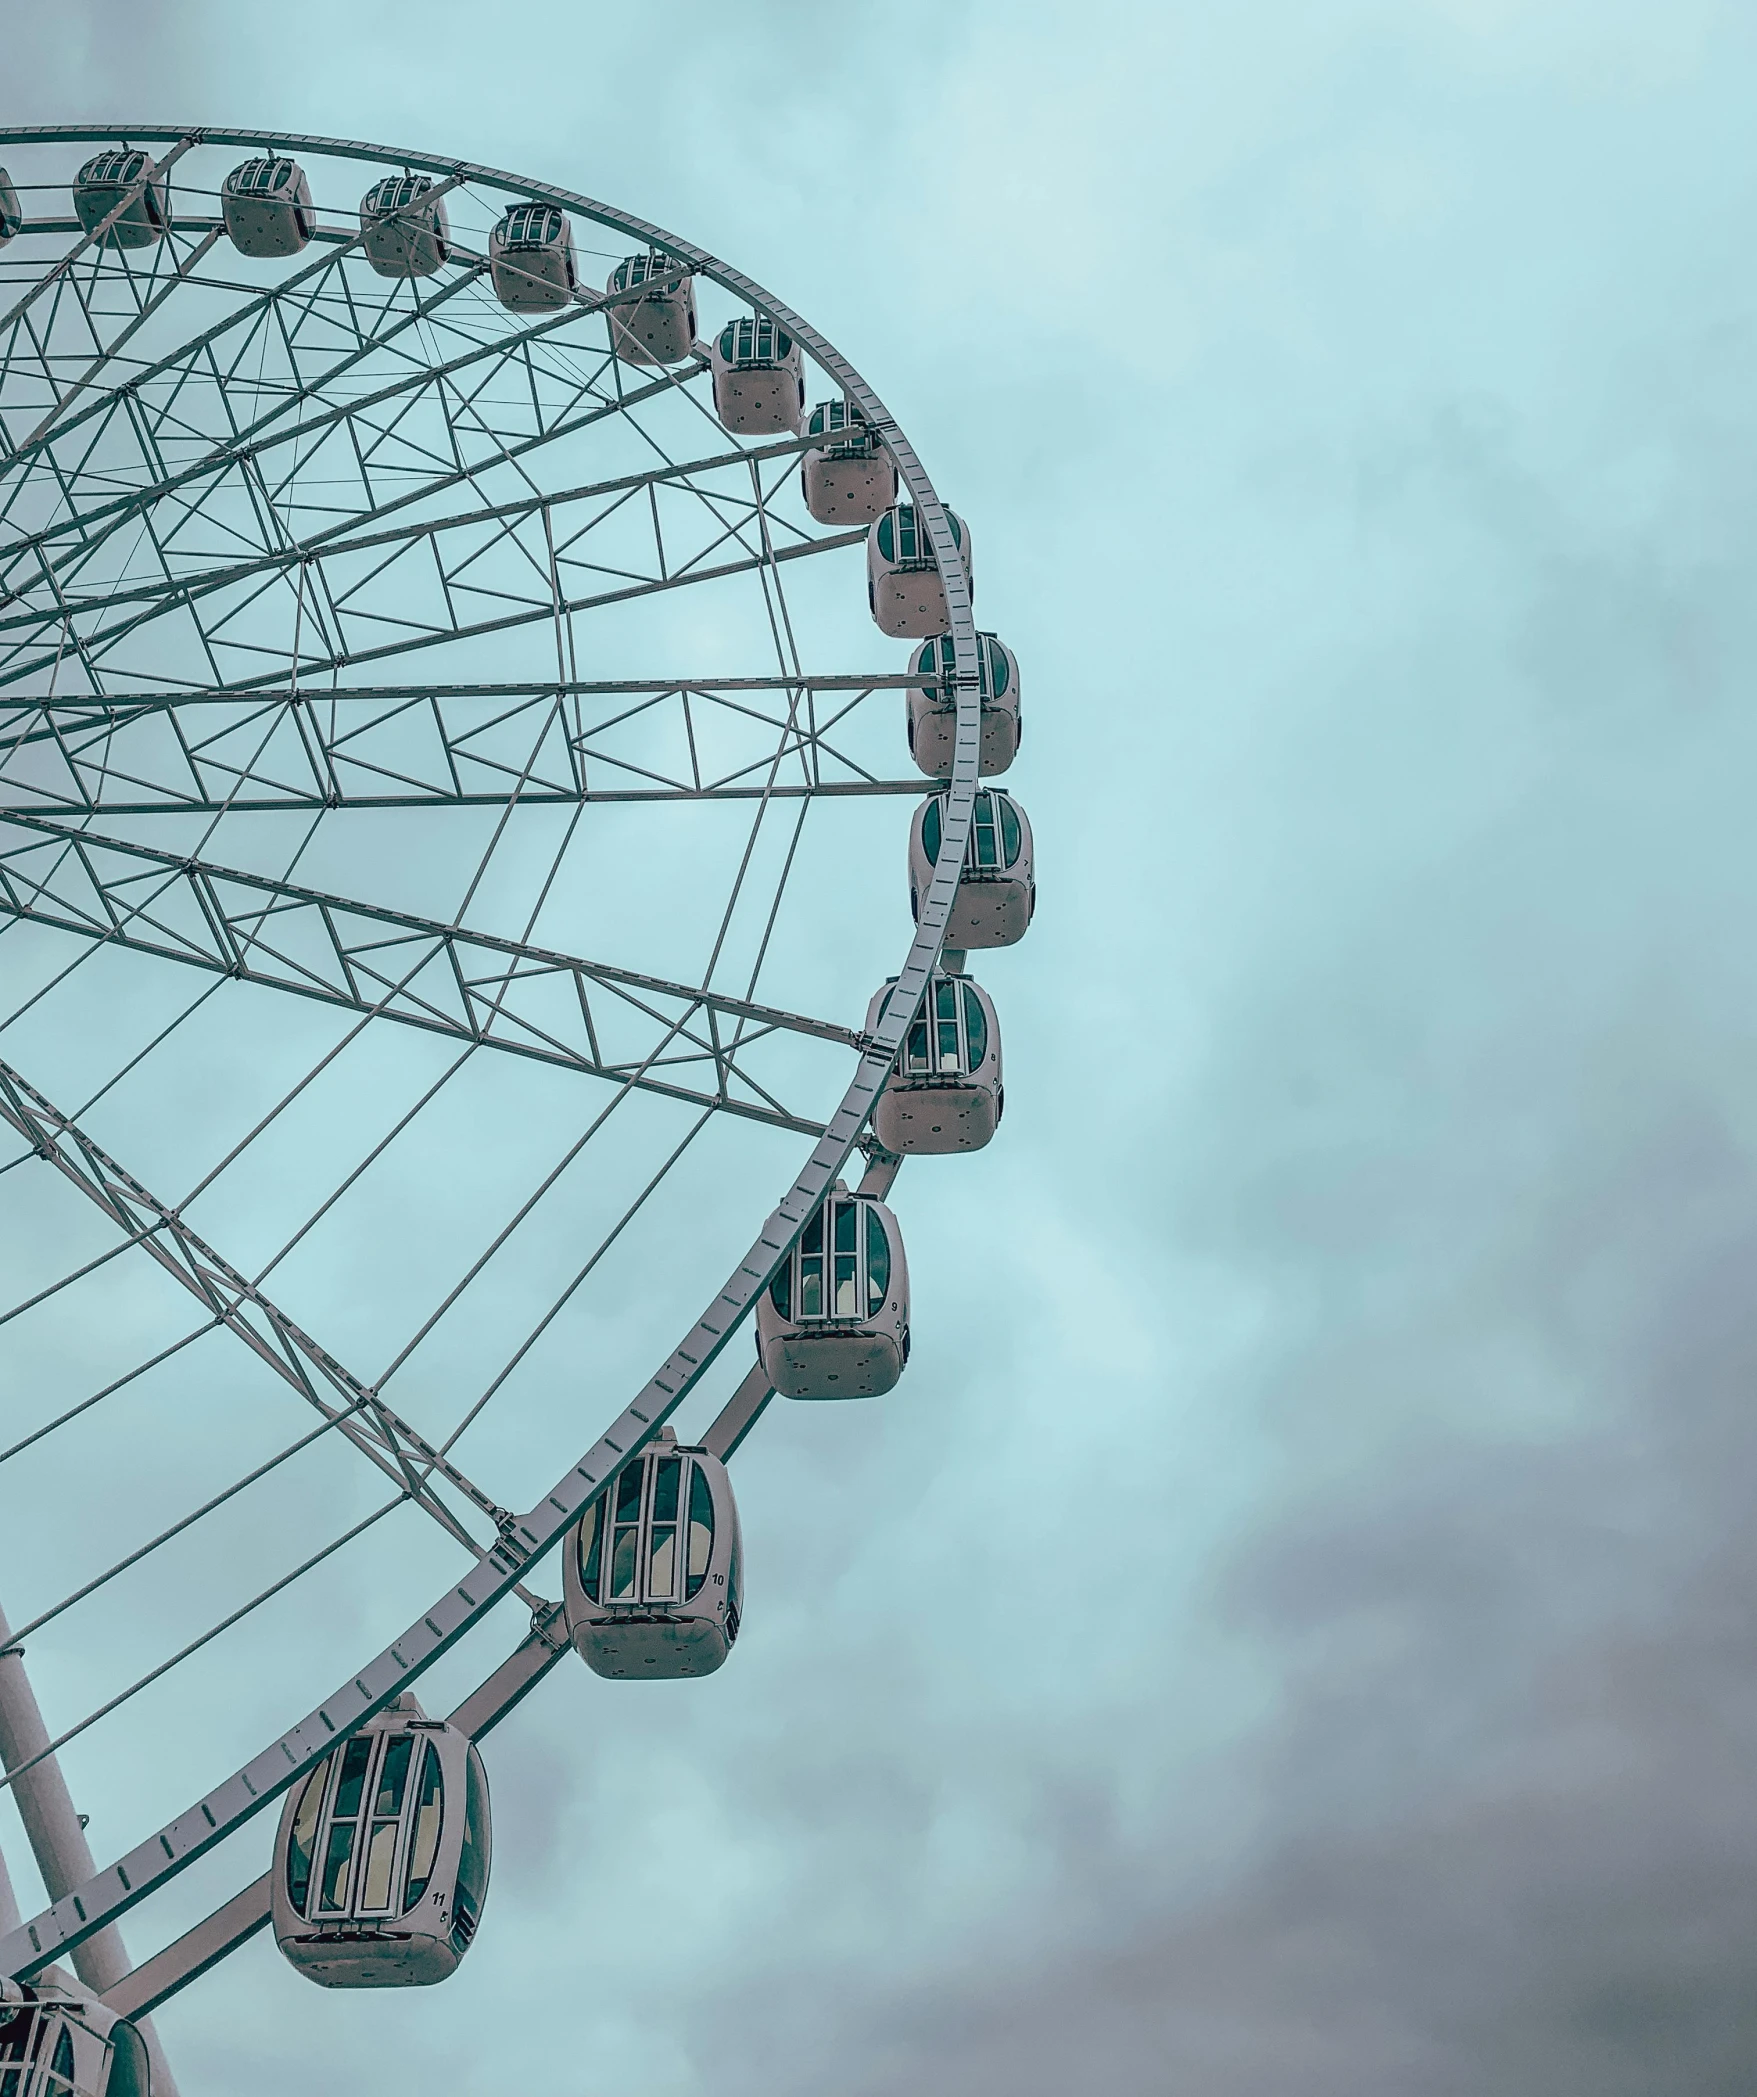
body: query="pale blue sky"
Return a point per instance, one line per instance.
(1289, 1633)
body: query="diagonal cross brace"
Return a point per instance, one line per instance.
(374, 1429)
(399, 747)
(230, 935)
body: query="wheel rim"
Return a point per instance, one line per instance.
(66, 631)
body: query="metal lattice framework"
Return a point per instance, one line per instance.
(303, 568)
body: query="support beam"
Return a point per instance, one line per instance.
(92, 647)
(336, 544)
(57, 1836)
(436, 746)
(381, 1435)
(368, 959)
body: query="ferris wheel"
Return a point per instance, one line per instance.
(453, 957)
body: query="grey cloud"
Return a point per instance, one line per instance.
(1403, 895)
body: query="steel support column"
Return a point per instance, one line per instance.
(57, 1836)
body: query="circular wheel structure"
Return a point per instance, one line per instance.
(448, 835)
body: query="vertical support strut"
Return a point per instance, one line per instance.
(10, 1918)
(57, 1836)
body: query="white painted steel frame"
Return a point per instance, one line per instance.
(111, 1892)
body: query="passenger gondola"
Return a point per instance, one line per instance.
(267, 207)
(659, 326)
(11, 217)
(933, 707)
(945, 1092)
(653, 1576)
(530, 259)
(851, 478)
(903, 584)
(997, 890)
(54, 2043)
(834, 1322)
(403, 227)
(759, 379)
(102, 184)
(381, 1862)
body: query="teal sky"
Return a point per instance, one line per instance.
(1289, 1634)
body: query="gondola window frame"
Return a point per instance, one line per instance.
(808, 1288)
(661, 1503)
(380, 1800)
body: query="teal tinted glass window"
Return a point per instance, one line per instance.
(811, 1268)
(975, 1027)
(429, 1815)
(662, 1562)
(626, 1541)
(335, 1865)
(622, 1565)
(847, 1226)
(352, 1783)
(982, 838)
(393, 1774)
(301, 1842)
(701, 1529)
(61, 2067)
(473, 1861)
(845, 1301)
(1011, 836)
(930, 829)
(531, 225)
(878, 1265)
(998, 676)
(887, 536)
(915, 1051)
(781, 1289)
(591, 1547)
(666, 1486)
(379, 1865)
(945, 1012)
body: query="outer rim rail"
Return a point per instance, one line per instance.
(151, 1864)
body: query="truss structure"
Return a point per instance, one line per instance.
(356, 635)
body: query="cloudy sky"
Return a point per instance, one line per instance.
(1290, 1631)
